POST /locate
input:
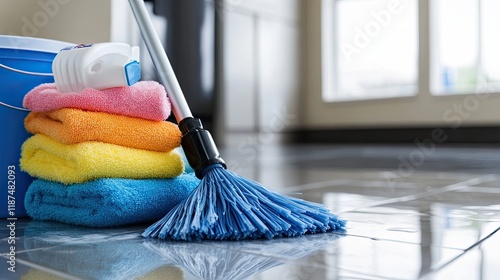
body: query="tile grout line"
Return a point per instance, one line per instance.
(318, 185)
(449, 188)
(70, 243)
(339, 182)
(47, 269)
(25, 251)
(403, 242)
(479, 242)
(483, 239)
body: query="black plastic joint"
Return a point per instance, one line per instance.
(199, 146)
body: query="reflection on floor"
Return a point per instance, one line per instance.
(413, 213)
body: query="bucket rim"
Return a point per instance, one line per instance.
(32, 43)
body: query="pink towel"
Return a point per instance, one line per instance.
(145, 99)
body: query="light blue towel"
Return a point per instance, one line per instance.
(107, 202)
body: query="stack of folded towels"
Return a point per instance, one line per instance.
(103, 157)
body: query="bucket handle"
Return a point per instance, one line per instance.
(25, 72)
(14, 107)
(22, 72)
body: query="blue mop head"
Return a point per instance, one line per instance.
(226, 206)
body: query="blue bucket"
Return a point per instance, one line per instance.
(24, 63)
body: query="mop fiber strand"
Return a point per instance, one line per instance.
(226, 206)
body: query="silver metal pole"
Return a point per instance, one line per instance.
(160, 60)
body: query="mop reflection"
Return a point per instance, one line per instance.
(238, 259)
(73, 252)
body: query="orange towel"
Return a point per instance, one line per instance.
(71, 126)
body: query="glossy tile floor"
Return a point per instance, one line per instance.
(413, 213)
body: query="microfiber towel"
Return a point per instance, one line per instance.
(107, 202)
(145, 99)
(72, 126)
(45, 158)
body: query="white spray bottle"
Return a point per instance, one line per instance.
(98, 66)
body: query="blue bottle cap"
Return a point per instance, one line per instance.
(133, 72)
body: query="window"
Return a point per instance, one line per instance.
(465, 46)
(371, 48)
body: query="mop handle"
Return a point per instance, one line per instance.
(160, 60)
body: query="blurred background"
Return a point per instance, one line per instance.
(308, 71)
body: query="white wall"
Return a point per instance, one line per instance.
(261, 64)
(78, 21)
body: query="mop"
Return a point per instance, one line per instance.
(225, 206)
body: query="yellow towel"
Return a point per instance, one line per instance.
(45, 158)
(72, 126)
